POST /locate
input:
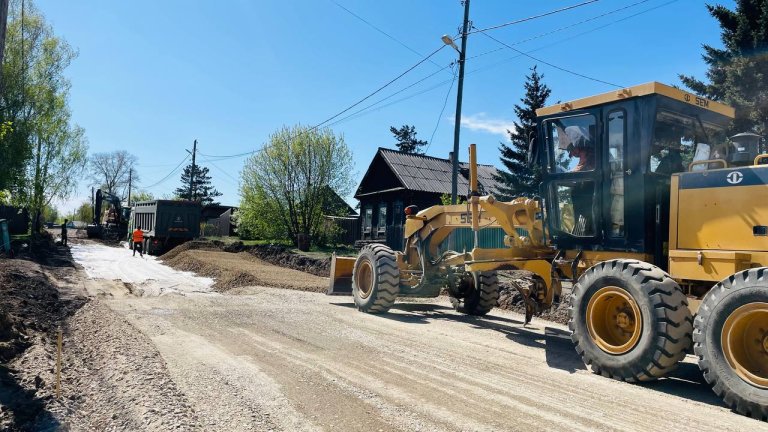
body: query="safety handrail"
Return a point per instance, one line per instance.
(760, 158)
(707, 162)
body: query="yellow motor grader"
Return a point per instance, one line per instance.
(657, 220)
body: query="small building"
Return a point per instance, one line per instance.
(395, 180)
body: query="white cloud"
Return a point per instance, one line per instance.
(482, 123)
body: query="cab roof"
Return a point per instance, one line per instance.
(637, 91)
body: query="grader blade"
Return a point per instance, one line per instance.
(341, 275)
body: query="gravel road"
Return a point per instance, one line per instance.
(288, 360)
(260, 358)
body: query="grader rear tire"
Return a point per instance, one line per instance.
(481, 294)
(731, 340)
(375, 279)
(629, 320)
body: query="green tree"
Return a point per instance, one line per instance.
(285, 186)
(202, 189)
(738, 72)
(406, 139)
(50, 214)
(44, 152)
(84, 212)
(517, 178)
(141, 196)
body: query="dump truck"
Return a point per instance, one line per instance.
(647, 209)
(110, 217)
(166, 223)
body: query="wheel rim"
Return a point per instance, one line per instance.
(745, 343)
(613, 320)
(364, 278)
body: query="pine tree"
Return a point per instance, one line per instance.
(517, 179)
(202, 190)
(738, 73)
(406, 139)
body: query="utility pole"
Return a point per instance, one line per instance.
(192, 172)
(459, 91)
(130, 177)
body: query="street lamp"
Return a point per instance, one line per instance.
(457, 128)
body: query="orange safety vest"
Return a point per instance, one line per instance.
(138, 236)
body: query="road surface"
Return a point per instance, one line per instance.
(267, 358)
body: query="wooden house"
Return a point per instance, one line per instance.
(395, 180)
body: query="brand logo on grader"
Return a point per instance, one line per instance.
(735, 177)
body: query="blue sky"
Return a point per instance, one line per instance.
(152, 76)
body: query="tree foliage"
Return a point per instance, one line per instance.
(738, 72)
(517, 178)
(111, 171)
(43, 152)
(141, 196)
(202, 188)
(84, 212)
(286, 185)
(406, 139)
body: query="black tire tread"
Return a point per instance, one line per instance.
(711, 376)
(673, 321)
(486, 299)
(387, 275)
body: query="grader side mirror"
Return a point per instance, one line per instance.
(532, 151)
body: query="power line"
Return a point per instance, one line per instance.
(169, 174)
(401, 43)
(220, 169)
(390, 82)
(530, 18)
(317, 126)
(551, 64)
(439, 117)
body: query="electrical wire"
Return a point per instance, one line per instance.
(439, 117)
(551, 64)
(401, 43)
(487, 67)
(221, 170)
(530, 18)
(169, 174)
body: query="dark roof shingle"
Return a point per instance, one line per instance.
(431, 174)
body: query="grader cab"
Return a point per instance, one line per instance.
(656, 219)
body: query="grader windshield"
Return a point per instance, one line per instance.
(607, 162)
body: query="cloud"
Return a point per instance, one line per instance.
(482, 123)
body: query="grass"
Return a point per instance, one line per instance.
(315, 251)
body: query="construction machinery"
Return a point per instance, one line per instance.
(655, 218)
(112, 222)
(166, 223)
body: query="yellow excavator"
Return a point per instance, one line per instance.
(657, 220)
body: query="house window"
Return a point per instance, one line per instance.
(383, 218)
(367, 220)
(397, 213)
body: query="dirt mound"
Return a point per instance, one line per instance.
(233, 270)
(511, 299)
(31, 310)
(273, 254)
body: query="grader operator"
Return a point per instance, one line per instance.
(658, 221)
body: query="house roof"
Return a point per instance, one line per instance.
(430, 174)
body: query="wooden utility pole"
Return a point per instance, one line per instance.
(192, 172)
(459, 91)
(130, 178)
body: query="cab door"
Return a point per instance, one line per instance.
(572, 181)
(615, 177)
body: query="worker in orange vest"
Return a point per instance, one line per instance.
(138, 241)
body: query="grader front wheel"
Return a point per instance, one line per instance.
(731, 340)
(629, 320)
(375, 279)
